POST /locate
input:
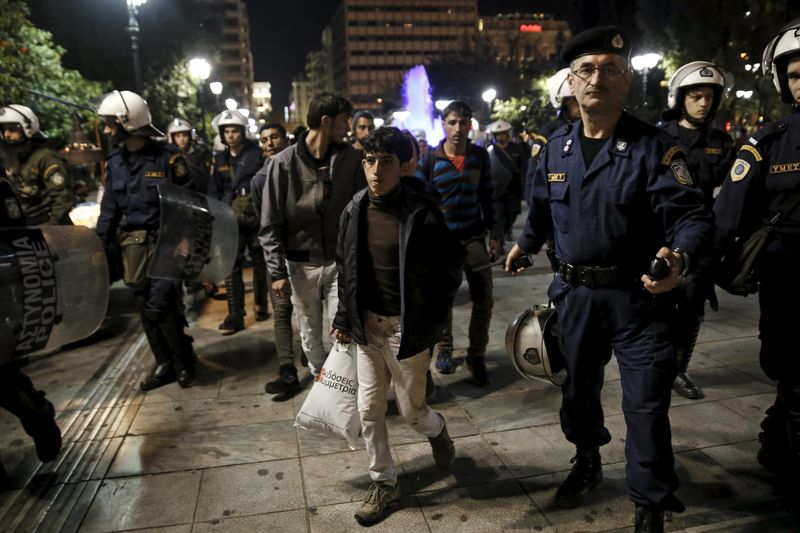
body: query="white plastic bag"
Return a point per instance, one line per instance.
(332, 404)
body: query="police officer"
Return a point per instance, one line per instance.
(41, 175)
(509, 161)
(617, 192)
(695, 92)
(131, 203)
(765, 175)
(562, 99)
(198, 158)
(233, 170)
(17, 393)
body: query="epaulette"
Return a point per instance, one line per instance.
(771, 129)
(564, 130)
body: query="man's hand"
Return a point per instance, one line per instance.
(514, 253)
(661, 286)
(282, 288)
(495, 249)
(340, 336)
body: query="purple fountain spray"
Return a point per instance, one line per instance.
(419, 105)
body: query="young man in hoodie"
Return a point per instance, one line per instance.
(399, 267)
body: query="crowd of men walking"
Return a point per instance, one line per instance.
(378, 235)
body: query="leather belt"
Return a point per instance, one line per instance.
(591, 277)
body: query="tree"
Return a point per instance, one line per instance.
(173, 94)
(32, 61)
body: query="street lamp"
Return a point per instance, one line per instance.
(200, 70)
(216, 90)
(643, 64)
(133, 29)
(231, 104)
(487, 96)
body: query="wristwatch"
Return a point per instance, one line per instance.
(685, 256)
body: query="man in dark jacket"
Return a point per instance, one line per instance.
(399, 267)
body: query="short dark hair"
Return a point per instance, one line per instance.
(273, 126)
(389, 140)
(326, 104)
(460, 107)
(413, 140)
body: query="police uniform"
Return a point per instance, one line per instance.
(230, 182)
(199, 162)
(765, 173)
(43, 182)
(609, 218)
(131, 202)
(538, 142)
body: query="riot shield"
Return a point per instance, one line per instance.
(533, 345)
(501, 175)
(53, 285)
(198, 238)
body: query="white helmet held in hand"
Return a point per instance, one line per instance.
(25, 117)
(778, 50)
(699, 73)
(131, 112)
(558, 88)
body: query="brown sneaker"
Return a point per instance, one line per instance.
(376, 504)
(443, 450)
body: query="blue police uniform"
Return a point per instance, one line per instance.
(609, 220)
(765, 173)
(538, 142)
(230, 182)
(130, 203)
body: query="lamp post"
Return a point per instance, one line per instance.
(200, 70)
(643, 64)
(133, 29)
(488, 96)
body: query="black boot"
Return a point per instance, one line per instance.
(286, 382)
(234, 289)
(684, 348)
(477, 365)
(774, 454)
(180, 345)
(649, 519)
(160, 375)
(38, 417)
(582, 479)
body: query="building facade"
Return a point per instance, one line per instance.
(236, 68)
(375, 41)
(519, 39)
(262, 100)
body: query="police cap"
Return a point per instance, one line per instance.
(601, 40)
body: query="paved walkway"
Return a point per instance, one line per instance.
(221, 456)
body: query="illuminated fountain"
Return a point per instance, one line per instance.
(418, 103)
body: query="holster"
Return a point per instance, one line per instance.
(138, 248)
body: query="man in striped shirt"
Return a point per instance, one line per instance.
(460, 173)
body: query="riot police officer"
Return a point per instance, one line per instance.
(509, 162)
(762, 181)
(198, 158)
(233, 171)
(131, 203)
(616, 192)
(41, 175)
(17, 393)
(562, 99)
(695, 93)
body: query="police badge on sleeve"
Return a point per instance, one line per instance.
(681, 172)
(739, 169)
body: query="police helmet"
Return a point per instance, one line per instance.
(130, 111)
(558, 88)
(230, 117)
(499, 126)
(534, 348)
(178, 125)
(699, 74)
(25, 117)
(776, 55)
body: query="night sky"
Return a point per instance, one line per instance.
(284, 32)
